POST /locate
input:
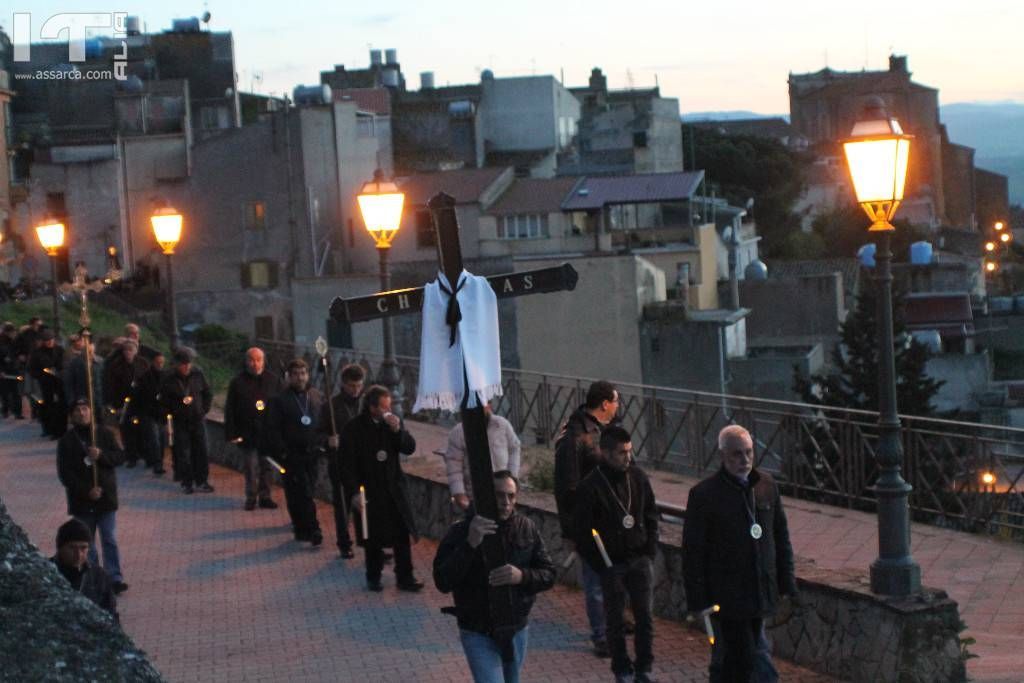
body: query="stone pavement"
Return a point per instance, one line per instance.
(984, 575)
(220, 594)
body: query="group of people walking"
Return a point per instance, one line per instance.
(736, 550)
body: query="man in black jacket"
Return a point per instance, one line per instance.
(616, 500)
(577, 452)
(298, 443)
(370, 448)
(11, 368)
(346, 404)
(245, 421)
(46, 365)
(71, 561)
(146, 414)
(121, 372)
(186, 397)
(737, 554)
(95, 505)
(459, 568)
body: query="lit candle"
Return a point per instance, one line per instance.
(362, 511)
(600, 548)
(707, 622)
(569, 559)
(273, 463)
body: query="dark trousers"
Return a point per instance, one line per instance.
(148, 442)
(130, 438)
(300, 472)
(10, 395)
(634, 578)
(53, 413)
(190, 453)
(375, 558)
(257, 474)
(340, 501)
(735, 650)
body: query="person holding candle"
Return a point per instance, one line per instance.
(737, 554)
(370, 447)
(245, 422)
(346, 405)
(617, 536)
(186, 397)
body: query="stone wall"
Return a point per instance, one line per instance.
(840, 629)
(49, 632)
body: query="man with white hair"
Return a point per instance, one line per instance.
(737, 554)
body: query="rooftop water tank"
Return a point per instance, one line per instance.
(866, 255)
(305, 95)
(189, 25)
(930, 338)
(389, 77)
(921, 253)
(391, 57)
(427, 80)
(375, 59)
(756, 270)
(132, 25)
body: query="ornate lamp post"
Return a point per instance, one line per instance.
(51, 237)
(380, 203)
(167, 229)
(877, 154)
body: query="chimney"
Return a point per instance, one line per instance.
(598, 80)
(898, 64)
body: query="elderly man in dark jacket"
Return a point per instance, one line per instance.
(146, 414)
(186, 397)
(370, 447)
(346, 405)
(95, 504)
(71, 561)
(245, 424)
(296, 439)
(577, 452)
(736, 554)
(459, 568)
(121, 372)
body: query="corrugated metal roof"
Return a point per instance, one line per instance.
(465, 185)
(600, 191)
(534, 195)
(928, 310)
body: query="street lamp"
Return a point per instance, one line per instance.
(877, 154)
(51, 237)
(380, 203)
(167, 229)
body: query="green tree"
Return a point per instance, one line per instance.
(855, 382)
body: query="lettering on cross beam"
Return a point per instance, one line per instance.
(385, 301)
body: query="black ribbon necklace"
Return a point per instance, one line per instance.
(453, 314)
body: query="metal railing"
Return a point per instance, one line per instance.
(816, 453)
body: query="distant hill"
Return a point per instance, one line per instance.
(996, 131)
(728, 115)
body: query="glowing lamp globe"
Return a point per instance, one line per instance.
(51, 236)
(990, 246)
(380, 203)
(167, 228)
(877, 154)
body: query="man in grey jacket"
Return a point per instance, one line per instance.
(505, 455)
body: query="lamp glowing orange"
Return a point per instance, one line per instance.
(877, 153)
(988, 478)
(380, 203)
(51, 236)
(167, 228)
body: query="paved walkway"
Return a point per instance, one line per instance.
(219, 594)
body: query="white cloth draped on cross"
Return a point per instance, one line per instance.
(460, 333)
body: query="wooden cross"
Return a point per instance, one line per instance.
(474, 420)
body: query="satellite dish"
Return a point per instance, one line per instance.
(206, 17)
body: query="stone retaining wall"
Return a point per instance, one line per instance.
(841, 629)
(49, 632)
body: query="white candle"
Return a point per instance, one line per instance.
(707, 622)
(362, 511)
(273, 463)
(600, 548)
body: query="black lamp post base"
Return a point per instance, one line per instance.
(895, 577)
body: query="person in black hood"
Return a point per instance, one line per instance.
(186, 397)
(459, 568)
(576, 453)
(245, 424)
(737, 554)
(71, 561)
(617, 502)
(346, 405)
(93, 501)
(298, 442)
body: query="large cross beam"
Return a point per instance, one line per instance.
(474, 420)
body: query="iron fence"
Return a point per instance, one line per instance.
(964, 475)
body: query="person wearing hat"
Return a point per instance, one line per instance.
(11, 369)
(46, 365)
(71, 560)
(91, 500)
(186, 397)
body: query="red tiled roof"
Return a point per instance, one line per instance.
(534, 195)
(465, 185)
(377, 100)
(598, 191)
(934, 310)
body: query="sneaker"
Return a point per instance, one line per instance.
(601, 649)
(316, 538)
(250, 505)
(410, 585)
(119, 587)
(187, 488)
(204, 488)
(347, 553)
(267, 504)
(374, 585)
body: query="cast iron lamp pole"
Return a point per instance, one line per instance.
(877, 154)
(167, 229)
(51, 237)
(380, 203)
